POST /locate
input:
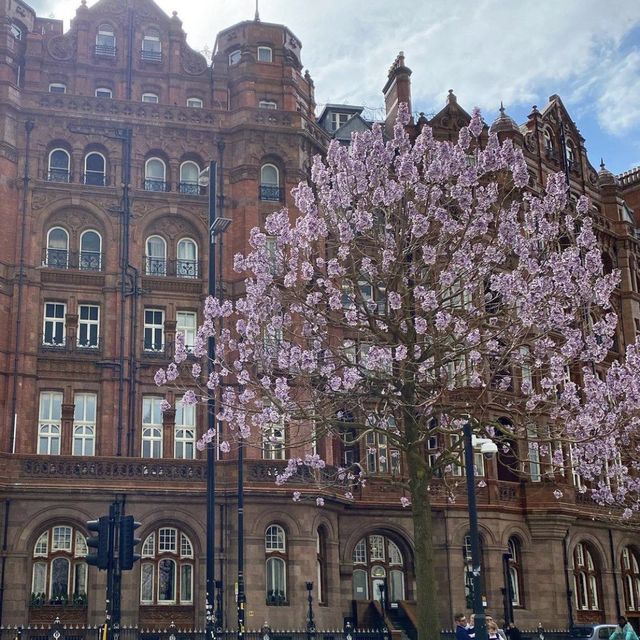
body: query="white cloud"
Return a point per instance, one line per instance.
(486, 50)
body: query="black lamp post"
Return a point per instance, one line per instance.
(217, 226)
(311, 625)
(480, 623)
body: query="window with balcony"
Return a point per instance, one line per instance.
(153, 330)
(234, 57)
(156, 258)
(59, 570)
(53, 333)
(84, 424)
(104, 92)
(195, 103)
(94, 169)
(151, 427)
(49, 423)
(265, 54)
(90, 251)
(270, 183)
(275, 548)
(59, 166)
(57, 87)
(189, 174)
(105, 41)
(88, 326)
(57, 248)
(166, 568)
(187, 262)
(186, 324)
(155, 175)
(185, 431)
(151, 46)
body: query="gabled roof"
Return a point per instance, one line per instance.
(339, 108)
(554, 109)
(452, 116)
(353, 124)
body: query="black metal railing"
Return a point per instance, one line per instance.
(171, 268)
(58, 175)
(72, 346)
(191, 188)
(271, 193)
(63, 259)
(105, 50)
(153, 349)
(150, 56)
(155, 184)
(94, 178)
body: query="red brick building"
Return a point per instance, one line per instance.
(104, 131)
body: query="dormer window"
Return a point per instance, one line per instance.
(57, 87)
(105, 41)
(265, 54)
(234, 57)
(151, 46)
(339, 119)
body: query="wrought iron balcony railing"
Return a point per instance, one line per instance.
(105, 50)
(87, 347)
(150, 56)
(95, 179)
(58, 175)
(191, 188)
(271, 193)
(171, 268)
(63, 259)
(155, 184)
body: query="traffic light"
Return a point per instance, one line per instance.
(100, 543)
(128, 543)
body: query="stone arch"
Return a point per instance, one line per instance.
(267, 517)
(601, 556)
(519, 532)
(391, 530)
(181, 520)
(462, 529)
(82, 216)
(321, 520)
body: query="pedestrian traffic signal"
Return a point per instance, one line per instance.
(128, 543)
(100, 542)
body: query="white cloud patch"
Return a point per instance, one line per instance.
(486, 50)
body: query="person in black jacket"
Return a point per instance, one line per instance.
(461, 627)
(513, 633)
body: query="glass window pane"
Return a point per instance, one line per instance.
(146, 583)
(360, 585)
(39, 578)
(166, 581)
(59, 577)
(186, 583)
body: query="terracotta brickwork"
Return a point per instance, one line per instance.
(123, 94)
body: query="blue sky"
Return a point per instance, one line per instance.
(586, 51)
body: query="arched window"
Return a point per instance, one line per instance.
(155, 175)
(195, 103)
(234, 57)
(156, 258)
(548, 140)
(270, 183)
(151, 46)
(630, 564)
(586, 576)
(90, 251)
(571, 156)
(321, 566)
(187, 264)
(59, 166)
(189, 174)
(59, 572)
(379, 569)
(94, 169)
(57, 248)
(105, 41)
(57, 87)
(515, 572)
(16, 31)
(166, 568)
(275, 548)
(150, 97)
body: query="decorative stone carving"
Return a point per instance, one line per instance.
(62, 47)
(193, 62)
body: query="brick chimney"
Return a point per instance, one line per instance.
(396, 90)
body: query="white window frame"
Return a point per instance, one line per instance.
(187, 267)
(265, 54)
(103, 92)
(185, 432)
(89, 323)
(274, 445)
(58, 263)
(187, 324)
(155, 329)
(234, 57)
(49, 422)
(87, 266)
(59, 174)
(155, 265)
(151, 445)
(54, 321)
(267, 104)
(84, 424)
(149, 174)
(195, 103)
(150, 98)
(57, 87)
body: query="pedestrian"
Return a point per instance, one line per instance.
(624, 631)
(461, 626)
(513, 633)
(492, 629)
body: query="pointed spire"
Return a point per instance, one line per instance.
(605, 177)
(501, 109)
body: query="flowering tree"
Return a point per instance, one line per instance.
(423, 285)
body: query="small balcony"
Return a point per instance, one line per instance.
(81, 260)
(148, 55)
(155, 184)
(157, 350)
(58, 175)
(65, 346)
(191, 189)
(105, 51)
(95, 179)
(271, 193)
(180, 268)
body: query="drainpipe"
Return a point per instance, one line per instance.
(28, 127)
(614, 575)
(565, 560)
(7, 504)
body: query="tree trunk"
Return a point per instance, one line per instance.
(426, 588)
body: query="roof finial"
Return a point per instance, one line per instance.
(602, 163)
(501, 108)
(257, 16)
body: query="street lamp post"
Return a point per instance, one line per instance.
(217, 226)
(480, 623)
(311, 625)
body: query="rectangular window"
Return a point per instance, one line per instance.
(49, 422)
(151, 427)
(377, 453)
(54, 326)
(194, 103)
(84, 424)
(57, 87)
(185, 440)
(534, 455)
(525, 367)
(150, 97)
(103, 92)
(338, 119)
(273, 442)
(267, 104)
(186, 324)
(88, 325)
(153, 330)
(186, 583)
(168, 540)
(265, 54)
(146, 583)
